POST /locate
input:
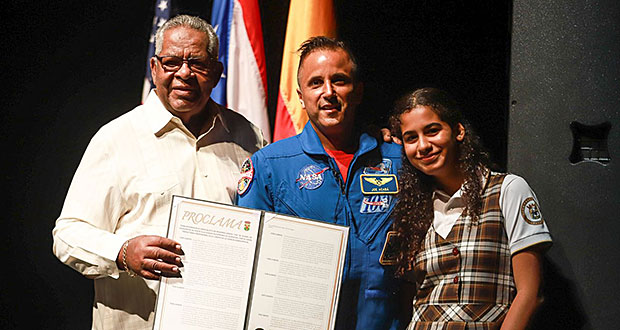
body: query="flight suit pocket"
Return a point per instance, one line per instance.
(286, 201)
(376, 294)
(377, 310)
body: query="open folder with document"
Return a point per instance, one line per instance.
(250, 269)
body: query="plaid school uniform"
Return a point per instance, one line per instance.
(465, 281)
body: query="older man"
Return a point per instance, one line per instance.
(335, 173)
(179, 142)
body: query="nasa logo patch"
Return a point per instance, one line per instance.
(531, 212)
(247, 174)
(310, 177)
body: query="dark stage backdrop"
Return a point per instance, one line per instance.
(68, 67)
(566, 68)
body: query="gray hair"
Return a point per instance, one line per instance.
(192, 22)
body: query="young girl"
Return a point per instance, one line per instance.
(471, 238)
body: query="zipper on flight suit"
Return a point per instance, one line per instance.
(333, 167)
(348, 221)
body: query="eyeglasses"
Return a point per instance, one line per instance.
(174, 63)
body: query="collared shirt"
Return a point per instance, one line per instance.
(465, 280)
(123, 188)
(513, 193)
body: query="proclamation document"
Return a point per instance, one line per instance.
(219, 242)
(250, 269)
(298, 275)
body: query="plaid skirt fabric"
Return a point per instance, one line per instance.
(465, 281)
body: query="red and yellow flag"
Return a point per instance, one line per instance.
(306, 18)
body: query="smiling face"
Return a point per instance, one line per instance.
(184, 92)
(431, 145)
(329, 92)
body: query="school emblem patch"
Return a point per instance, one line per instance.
(531, 212)
(247, 174)
(310, 177)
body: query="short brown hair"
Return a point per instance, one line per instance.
(324, 43)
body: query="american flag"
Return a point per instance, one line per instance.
(162, 14)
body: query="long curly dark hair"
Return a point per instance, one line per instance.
(413, 214)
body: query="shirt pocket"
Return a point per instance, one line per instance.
(153, 199)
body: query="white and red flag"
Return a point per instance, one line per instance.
(243, 85)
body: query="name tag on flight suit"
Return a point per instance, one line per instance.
(375, 184)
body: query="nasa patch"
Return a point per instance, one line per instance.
(247, 174)
(531, 212)
(310, 177)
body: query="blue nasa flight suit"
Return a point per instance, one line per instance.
(296, 176)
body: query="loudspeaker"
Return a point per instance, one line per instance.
(564, 138)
